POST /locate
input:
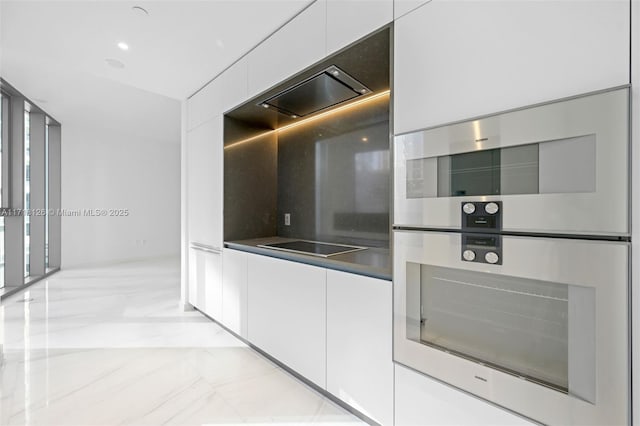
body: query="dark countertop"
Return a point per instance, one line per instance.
(372, 262)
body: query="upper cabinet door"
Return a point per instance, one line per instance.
(402, 7)
(350, 20)
(204, 179)
(456, 60)
(226, 91)
(294, 47)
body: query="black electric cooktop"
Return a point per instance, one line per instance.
(312, 247)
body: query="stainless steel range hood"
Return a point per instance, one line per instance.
(323, 90)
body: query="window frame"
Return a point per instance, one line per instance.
(17, 174)
(5, 129)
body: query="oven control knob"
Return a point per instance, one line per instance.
(491, 257)
(491, 208)
(469, 208)
(469, 255)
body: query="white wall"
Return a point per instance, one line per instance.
(104, 169)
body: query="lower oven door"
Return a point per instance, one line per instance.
(545, 334)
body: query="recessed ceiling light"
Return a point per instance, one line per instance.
(123, 46)
(365, 139)
(140, 10)
(114, 63)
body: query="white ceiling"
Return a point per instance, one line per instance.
(55, 51)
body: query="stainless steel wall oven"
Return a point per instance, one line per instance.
(511, 258)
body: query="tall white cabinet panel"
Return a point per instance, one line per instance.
(204, 177)
(460, 59)
(421, 401)
(234, 291)
(235, 89)
(402, 7)
(287, 314)
(349, 20)
(204, 213)
(359, 358)
(205, 284)
(226, 91)
(294, 47)
(203, 105)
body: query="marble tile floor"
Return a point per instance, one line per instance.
(110, 346)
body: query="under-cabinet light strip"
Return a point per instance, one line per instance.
(312, 118)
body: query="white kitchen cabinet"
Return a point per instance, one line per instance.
(204, 180)
(421, 401)
(223, 93)
(456, 60)
(359, 340)
(234, 291)
(402, 7)
(205, 281)
(204, 212)
(294, 47)
(350, 20)
(287, 314)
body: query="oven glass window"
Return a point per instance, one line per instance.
(558, 166)
(529, 328)
(470, 173)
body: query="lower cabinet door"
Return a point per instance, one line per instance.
(234, 291)
(287, 314)
(359, 342)
(205, 282)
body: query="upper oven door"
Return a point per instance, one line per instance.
(557, 168)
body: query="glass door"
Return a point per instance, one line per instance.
(27, 192)
(4, 124)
